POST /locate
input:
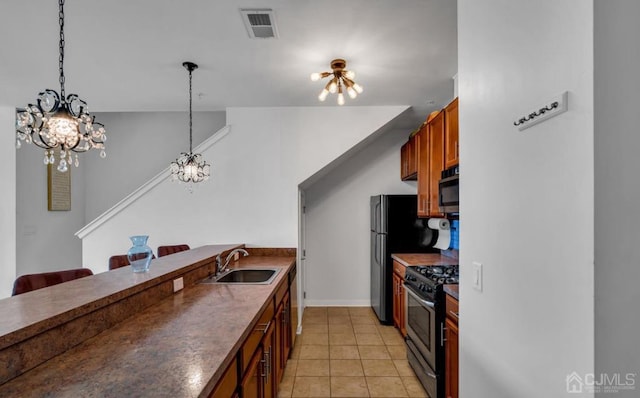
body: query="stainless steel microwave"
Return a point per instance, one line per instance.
(449, 191)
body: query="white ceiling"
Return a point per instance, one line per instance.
(126, 55)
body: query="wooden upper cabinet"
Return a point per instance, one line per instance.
(451, 134)
(409, 160)
(430, 142)
(422, 143)
(436, 161)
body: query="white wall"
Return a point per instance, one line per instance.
(8, 202)
(617, 191)
(252, 196)
(45, 239)
(337, 221)
(139, 145)
(526, 197)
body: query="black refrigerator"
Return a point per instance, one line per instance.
(395, 228)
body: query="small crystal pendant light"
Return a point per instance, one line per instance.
(190, 167)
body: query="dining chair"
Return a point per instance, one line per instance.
(120, 260)
(27, 283)
(166, 250)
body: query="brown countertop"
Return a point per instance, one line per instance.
(412, 259)
(453, 291)
(31, 313)
(177, 348)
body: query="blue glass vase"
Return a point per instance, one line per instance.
(140, 254)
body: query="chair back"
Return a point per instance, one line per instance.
(27, 283)
(166, 250)
(121, 260)
(118, 261)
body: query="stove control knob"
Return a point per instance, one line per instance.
(421, 287)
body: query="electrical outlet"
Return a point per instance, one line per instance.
(178, 284)
(477, 275)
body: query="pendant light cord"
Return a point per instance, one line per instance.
(61, 58)
(190, 115)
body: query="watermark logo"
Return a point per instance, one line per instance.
(601, 383)
(574, 383)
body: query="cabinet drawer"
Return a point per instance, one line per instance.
(259, 330)
(399, 268)
(452, 308)
(281, 292)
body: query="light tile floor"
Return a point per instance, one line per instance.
(346, 352)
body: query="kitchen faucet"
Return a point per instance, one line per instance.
(220, 268)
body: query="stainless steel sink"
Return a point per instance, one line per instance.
(252, 276)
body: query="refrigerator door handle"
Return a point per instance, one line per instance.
(377, 218)
(382, 215)
(375, 250)
(382, 251)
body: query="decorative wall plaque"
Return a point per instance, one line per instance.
(59, 188)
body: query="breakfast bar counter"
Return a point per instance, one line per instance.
(177, 347)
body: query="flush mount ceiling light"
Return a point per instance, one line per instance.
(190, 167)
(59, 122)
(342, 79)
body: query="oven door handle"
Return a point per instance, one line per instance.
(429, 304)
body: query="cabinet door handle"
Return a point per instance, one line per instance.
(267, 358)
(263, 371)
(454, 314)
(264, 326)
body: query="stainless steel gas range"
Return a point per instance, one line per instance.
(425, 323)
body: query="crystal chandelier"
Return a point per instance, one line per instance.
(190, 167)
(342, 80)
(59, 122)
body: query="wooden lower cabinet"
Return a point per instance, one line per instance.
(265, 369)
(283, 336)
(252, 385)
(399, 300)
(451, 349)
(268, 363)
(259, 377)
(260, 362)
(228, 383)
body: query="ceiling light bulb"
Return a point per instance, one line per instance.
(357, 87)
(350, 74)
(323, 94)
(315, 77)
(190, 171)
(352, 93)
(333, 87)
(340, 99)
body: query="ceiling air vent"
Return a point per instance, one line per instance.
(260, 23)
